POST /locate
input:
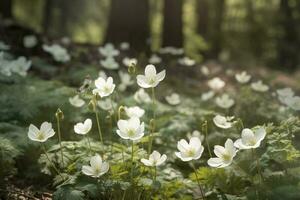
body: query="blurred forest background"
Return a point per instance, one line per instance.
(238, 32)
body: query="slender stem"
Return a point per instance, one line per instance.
(155, 173)
(59, 139)
(152, 128)
(113, 108)
(205, 130)
(241, 123)
(256, 190)
(89, 143)
(153, 102)
(56, 170)
(98, 125)
(131, 176)
(258, 166)
(124, 194)
(198, 182)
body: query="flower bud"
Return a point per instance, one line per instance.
(92, 105)
(120, 111)
(59, 114)
(131, 69)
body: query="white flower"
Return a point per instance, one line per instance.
(197, 134)
(259, 86)
(108, 50)
(204, 70)
(125, 81)
(131, 129)
(224, 101)
(30, 41)
(154, 59)
(250, 139)
(41, 135)
(151, 78)
(59, 53)
(155, 159)
(216, 83)
(222, 122)
(124, 46)
(76, 101)
(104, 87)
(106, 104)
(83, 128)
(97, 168)
(109, 63)
(3, 46)
(224, 155)
(20, 66)
(293, 102)
(189, 151)
(129, 61)
(173, 99)
(102, 74)
(171, 50)
(141, 96)
(285, 94)
(134, 112)
(243, 77)
(207, 95)
(186, 61)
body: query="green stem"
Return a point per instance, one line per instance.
(258, 166)
(132, 146)
(98, 125)
(59, 139)
(152, 128)
(52, 164)
(153, 101)
(89, 143)
(198, 182)
(204, 129)
(155, 173)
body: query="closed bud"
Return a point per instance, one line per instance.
(120, 111)
(59, 114)
(131, 69)
(92, 105)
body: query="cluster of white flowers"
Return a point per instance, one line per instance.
(59, 53)
(186, 61)
(30, 41)
(19, 66)
(287, 97)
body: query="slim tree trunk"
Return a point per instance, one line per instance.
(203, 18)
(129, 22)
(6, 9)
(172, 25)
(48, 5)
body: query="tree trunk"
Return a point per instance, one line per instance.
(217, 33)
(287, 43)
(6, 9)
(203, 18)
(129, 22)
(47, 18)
(172, 25)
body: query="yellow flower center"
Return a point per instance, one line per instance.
(40, 136)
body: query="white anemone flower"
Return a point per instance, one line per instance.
(30, 41)
(293, 102)
(204, 70)
(250, 139)
(154, 59)
(189, 151)
(83, 128)
(141, 96)
(129, 61)
(224, 155)
(207, 95)
(197, 134)
(59, 53)
(243, 77)
(109, 63)
(186, 61)
(41, 135)
(102, 74)
(134, 112)
(20, 66)
(104, 87)
(155, 159)
(173, 99)
(76, 101)
(216, 84)
(223, 122)
(4, 46)
(224, 101)
(259, 86)
(151, 79)
(125, 81)
(107, 104)
(96, 168)
(284, 94)
(131, 129)
(124, 46)
(108, 50)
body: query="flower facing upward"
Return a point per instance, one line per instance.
(224, 155)
(41, 135)
(83, 128)
(216, 83)
(151, 78)
(131, 129)
(222, 122)
(104, 87)
(250, 139)
(141, 96)
(243, 77)
(173, 99)
(76, 101)
(189, 151)
(259, 86)
(224, 101)
(97, 168)
(134, 112)
(155, 159)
